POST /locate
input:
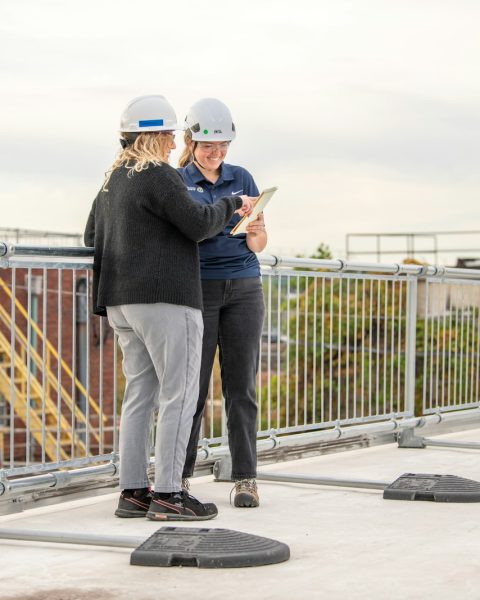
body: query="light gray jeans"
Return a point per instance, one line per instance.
(162, 349)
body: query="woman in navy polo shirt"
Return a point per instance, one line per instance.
(233, 305)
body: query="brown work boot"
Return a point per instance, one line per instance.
(246, 493)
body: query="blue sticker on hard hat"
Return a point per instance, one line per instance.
(151, 123)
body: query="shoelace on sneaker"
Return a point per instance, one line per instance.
(191, 498)
(244, 485)
(185, 484)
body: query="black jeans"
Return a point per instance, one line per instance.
(233, 312)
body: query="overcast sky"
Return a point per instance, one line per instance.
(365, 113)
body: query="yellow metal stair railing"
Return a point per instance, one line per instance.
(51, 351)
(40, 399)
(3, 433)
(50, 376)
(30, 409)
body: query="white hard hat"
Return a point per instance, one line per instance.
(149, 113)
(210, 120)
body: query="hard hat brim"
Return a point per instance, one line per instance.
(201, 137)
(136, 129)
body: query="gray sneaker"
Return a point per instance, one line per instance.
(246, 493)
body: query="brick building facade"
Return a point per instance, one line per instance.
(67, 343)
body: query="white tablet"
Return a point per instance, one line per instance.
(263, 200)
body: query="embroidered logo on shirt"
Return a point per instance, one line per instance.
(199, 189)
(237, 192)
(190, 188)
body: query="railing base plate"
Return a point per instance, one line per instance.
(208, 549)
(433, 488)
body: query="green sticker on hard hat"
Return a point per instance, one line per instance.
(205, 131)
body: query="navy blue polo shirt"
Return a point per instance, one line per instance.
(223, 256)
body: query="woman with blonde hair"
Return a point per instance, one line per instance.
(232, 292)
(145, 229)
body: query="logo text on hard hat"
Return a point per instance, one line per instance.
(218, 131)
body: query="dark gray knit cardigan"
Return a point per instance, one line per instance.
(145, 231)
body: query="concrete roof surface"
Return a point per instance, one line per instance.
(344, 542)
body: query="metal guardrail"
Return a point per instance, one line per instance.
(441, 245)
(347, 347)
(16, 235)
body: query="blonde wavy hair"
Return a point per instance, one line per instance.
(141, 151)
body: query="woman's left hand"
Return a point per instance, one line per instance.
(256, 227)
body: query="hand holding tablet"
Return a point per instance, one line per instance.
(263, 200)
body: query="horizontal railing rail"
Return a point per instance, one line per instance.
(345, 346)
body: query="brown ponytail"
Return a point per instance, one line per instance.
(186, 157)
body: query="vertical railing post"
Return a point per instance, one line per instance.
(411, 344)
